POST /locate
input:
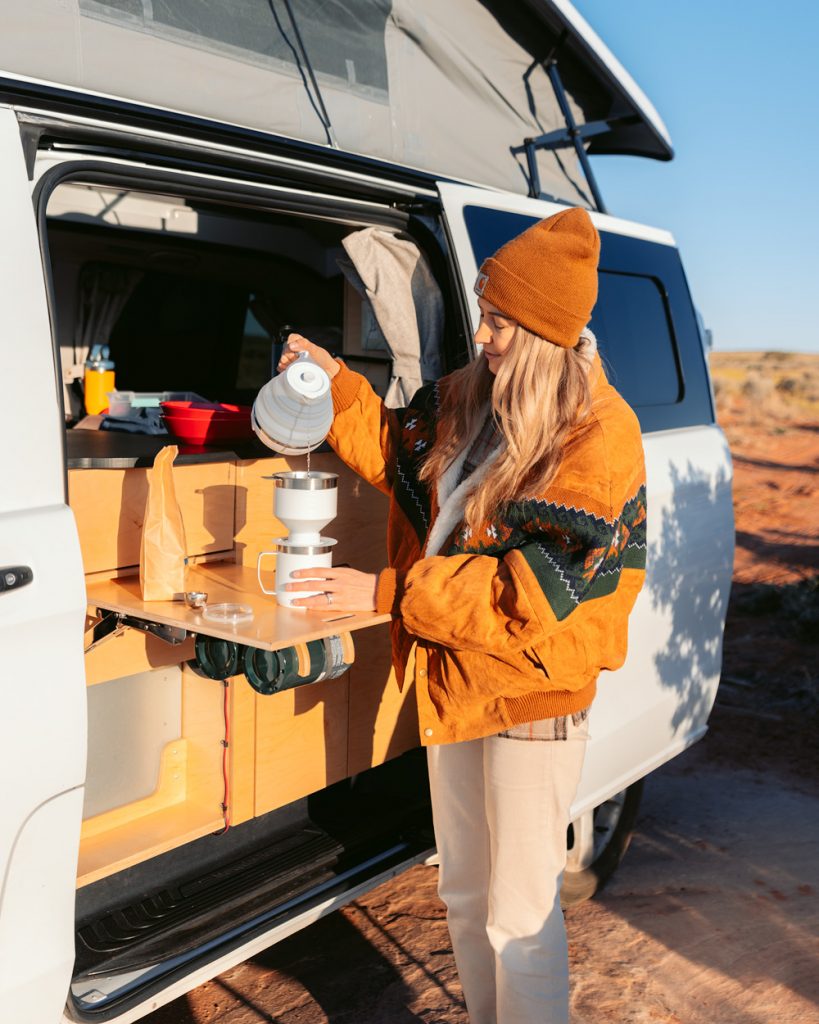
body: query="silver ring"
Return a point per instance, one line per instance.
(329, 596)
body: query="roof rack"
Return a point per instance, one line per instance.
(572, 135)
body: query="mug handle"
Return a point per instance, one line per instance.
(270, 593)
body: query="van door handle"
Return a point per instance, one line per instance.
(12, 577)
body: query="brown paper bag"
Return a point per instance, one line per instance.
(162, 555)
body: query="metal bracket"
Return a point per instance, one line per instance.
(115, 623)
(30, 136)
(572, 135)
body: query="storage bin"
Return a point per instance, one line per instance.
(120, 403)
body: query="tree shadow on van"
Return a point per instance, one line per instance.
(688, 581)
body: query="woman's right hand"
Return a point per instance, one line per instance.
(296, 344)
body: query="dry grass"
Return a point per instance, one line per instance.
(754, 386)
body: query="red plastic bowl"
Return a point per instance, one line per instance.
(207, 422)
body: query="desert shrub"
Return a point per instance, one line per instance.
(795, 604)
(800, 603)
(757, 388)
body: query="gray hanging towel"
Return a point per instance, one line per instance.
(393, 275)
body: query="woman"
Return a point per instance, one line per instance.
(516, 546)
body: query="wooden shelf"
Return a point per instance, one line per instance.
(272, 626)
(143, 838)
(124, 836)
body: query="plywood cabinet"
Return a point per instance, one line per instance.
(281, 747)
(109, 505)
(301, 742)
(186, 802)
(383, 720)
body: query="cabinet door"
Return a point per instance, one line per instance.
(42, 756)
(658, 702)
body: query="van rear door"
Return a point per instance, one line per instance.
(42, 608)
(645, 323)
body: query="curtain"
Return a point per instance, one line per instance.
(392, 274)
(103, 291)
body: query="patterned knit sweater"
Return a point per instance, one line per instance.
(514, 622)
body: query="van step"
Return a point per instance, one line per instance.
(195, 911)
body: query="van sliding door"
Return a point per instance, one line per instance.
(42, 610)
(658, 702)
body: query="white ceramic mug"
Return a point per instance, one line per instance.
(290, 557)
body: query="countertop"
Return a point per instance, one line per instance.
(108, 449)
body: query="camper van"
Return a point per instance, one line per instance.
(182, 184)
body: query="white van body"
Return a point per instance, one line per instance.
(644, 714)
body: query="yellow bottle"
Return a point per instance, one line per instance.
(98, 379)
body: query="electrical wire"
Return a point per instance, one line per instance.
(226, 761)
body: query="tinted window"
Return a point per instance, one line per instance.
(644, 320)
(632, 328)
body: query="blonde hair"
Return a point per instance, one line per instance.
(540, 393)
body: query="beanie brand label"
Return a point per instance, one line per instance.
(481, 283)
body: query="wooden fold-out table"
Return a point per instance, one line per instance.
(272, 627)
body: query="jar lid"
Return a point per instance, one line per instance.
(99, 359)
(307, 379)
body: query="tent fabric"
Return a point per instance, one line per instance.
(442, 87)
(393, 275)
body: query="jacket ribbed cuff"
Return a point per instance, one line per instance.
(388, 591)
(344, 387)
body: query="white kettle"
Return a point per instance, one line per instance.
(293, 412)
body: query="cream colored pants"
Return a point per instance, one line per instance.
(501, 809)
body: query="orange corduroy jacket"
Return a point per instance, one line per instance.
(512, 623)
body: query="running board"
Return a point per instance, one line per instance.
(154, 946)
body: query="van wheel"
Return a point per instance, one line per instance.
(597, 842)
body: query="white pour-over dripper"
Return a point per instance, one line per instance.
(305, 503)
(293, 412)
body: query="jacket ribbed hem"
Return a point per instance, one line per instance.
(344, 387)
(532, 707)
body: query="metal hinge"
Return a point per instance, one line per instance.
(115, 623)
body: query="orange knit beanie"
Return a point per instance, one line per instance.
(546, 278)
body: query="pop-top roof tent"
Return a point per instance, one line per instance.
(451, 87)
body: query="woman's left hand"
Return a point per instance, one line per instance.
(341, 588)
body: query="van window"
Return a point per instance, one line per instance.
(345, 40)
(258, 354)
(631, 323)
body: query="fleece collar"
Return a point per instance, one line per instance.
(452, 496)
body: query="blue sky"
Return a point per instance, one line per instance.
(737, 84)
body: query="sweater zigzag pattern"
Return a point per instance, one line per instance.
(575, 555)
